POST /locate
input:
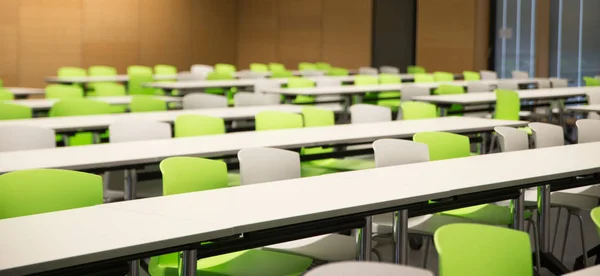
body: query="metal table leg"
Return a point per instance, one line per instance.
(401, 252)
(365, 240)
(130, 184)
(134, 268)
(518, 210)
(346, 108)
(190, 259)
(544, 216)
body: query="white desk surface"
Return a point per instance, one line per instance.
(144, 152)
(490, 97)
(25, 91)
(73, 123)
(268, 205)
(584, 108)
(590, 271)
(200, 84)
(44, 104)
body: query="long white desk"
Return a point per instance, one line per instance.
(590, 271)
(101, 122)
(46, 104)
(24, 92)
(584, 108)
(280, 207)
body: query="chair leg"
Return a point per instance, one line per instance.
(426, 250)
(493, 143)
(562, 254)
(585, 256)
(556, 228)
(536, 244)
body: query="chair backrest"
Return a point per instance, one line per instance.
(201, 69)
(366, 80)
(423, 77)
(143, 103)
(187, 125)
(69, 71)
(474, 87)
(190, 76)
(23, 137)
(6, 95)
(559, 83)
(418, 110)
(414, 69)
(164, 69)
(203, 100)
(368, 71)
(215, 75)
(105, 89)
(225, 68)
(30, 192)
(192, 174)
(79, 107)
(279, 74)
(543, 83)
(261, 85)
(471, 76)
(386, 69)
(337, 71)
(259, 165)
(443, 76)
(588, 130)
(444, 145)
(259, 67)
(323, 65)
(366, 268)
(269, 120)
(512, 139)
(408, 92)
(10, 111)
(589, 81)
(138, 130)
(101, 70)
(547, 135)
(137, 76)
(255, 99)
(368, 113)
(395, 152)
(314, 116)
(63, 91)
(250, 75)
(488, 75)
(302, 66)
(296, 82)
(274, 67)
(593, 98)
(595, 214)
(520, 74)
(389, 79)
(508, 105)
(449, 89)
(508, 85)
(477, 249)
(327, 82)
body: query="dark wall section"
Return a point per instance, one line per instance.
(394, 28)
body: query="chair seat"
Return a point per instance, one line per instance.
(423, 225)
(346, 164)
(307, 170)
(330, 247)
(367, 268)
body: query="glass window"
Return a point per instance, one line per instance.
(515, 37)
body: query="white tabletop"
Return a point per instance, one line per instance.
(25, 91)
(585, 108)
(200, 84)
(590, 271)
(91, 122)
(45, 104)
(144, 152)
(62, 239)
(490, 97)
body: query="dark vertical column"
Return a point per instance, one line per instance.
(394, 30)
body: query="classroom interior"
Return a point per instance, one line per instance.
(299, 137)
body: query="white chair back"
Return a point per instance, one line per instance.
(367, 268)
(258, 165)
(520, 74)
(512, 139)
(488, 75)
(189, 76)
(547, 135)
(260, 85)
(386, 69)
(559, 83)
(368, 113)
(138, 130)
(476, 86)
(395, 152)
(201, 69)
(328, 82)
(254, 99)
(508, 85)
(368, 71)
(588, 130)
(593, 98)
(544, 83)
(22, 137)
(408, 92)
(203, 100)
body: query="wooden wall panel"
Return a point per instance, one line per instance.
(347, 32)
(300, 24)
(110, 33)
(213, 33)
(258, 31)
(49, 37)
(9, 25)
(482, 31)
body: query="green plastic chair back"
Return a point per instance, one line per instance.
(314, 116)
(476, 249)
(508, 105)
(137, 76)
(79, 107)
(322, 65)
(192, 174)
(164, 69)
(418, 110)
(391, 103)
(423, 77)
(389, 79)
(306, 66)
(141, 103)
(590, 81)
(270, 120)
(107, 89)
(595, 214)
(1, 83)
(69, 71)
(449, 89)
(471, 76)
(100, 70)
(6, 95)
(443, 76)
(63, 91)
(337, 71)
(10, 111)
(214, 75)
(197, 125)
(225, 68)
(274, 67)
(413, 69)
(38, 191)
(297, 82)
(444, 145)
(365, 80)
(259, 67)
(281, 74)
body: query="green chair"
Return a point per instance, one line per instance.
(393, 104)
(367, 80)
(188, 125)
(137, 76)
(63, 91)
(110, 89)
(297, 82)
(418, 110)
(259, 67)
(1, 83)
(448, 89)
(443, 76)
(323, 66)
(590, 81)
(472, 249)
(413, 69)
(221, 91)
(307, 66)
(102, 71)
(595, 214)
(191, 174)
(443, 145)
(142, 103)
(69, 71)
(30, 192)
(9, 111)
(471, 76)
(423, 78)
(337, 71)
(281, 74)
(508, 105)
(225, 68)
(79, 107)
(6, 95)
(274, 67)
(164, 69)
